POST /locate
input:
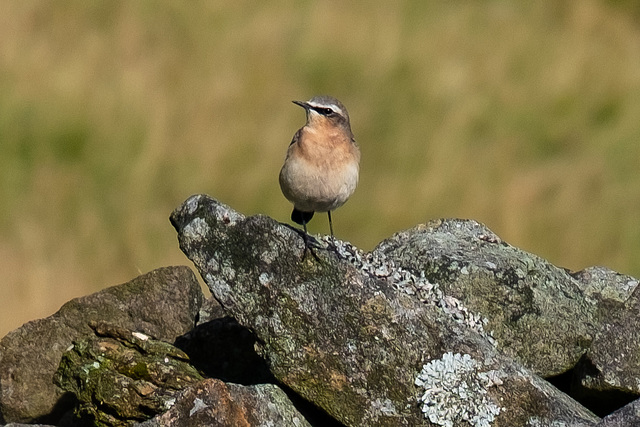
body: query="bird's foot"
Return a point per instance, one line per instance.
(310, 242)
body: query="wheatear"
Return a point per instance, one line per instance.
(321, 169)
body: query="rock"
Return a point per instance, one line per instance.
(627, 416)
(215, 403)
(607, 288)
(223, 349)
(373, 341)
(210, 310)
(440, 325)
(535, 311)
(162, 304)
(120, 376)
(609, 373)
(27, 425)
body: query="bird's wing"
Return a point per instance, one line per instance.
(296, 137)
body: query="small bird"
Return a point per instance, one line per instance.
(321, 169)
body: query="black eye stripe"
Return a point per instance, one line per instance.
(324, 111)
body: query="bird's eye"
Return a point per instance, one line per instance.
(327, 111)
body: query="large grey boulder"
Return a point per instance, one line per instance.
(162, 304)
(581, 324)
(378, 338)
(535, 311)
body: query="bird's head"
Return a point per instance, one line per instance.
(325, 110)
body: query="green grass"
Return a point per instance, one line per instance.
(520, 115)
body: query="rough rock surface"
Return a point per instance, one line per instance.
(534, 310)
(25, 425)
(121, 376)
(609, 372)
(440, 325)
(215, 403)
(162, 304)
(372, 338)
(223, 349)
(627, 416)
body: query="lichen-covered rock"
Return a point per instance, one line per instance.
(345, 331)
(605, 287)
(120, 377)
(610, 370)
(163, 303)
(27, 425)
(535, 311)
(627, 416)
(217, 404)
(210, 310)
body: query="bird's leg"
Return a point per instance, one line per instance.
(303, 218)
(333, 240)
(307, 243)
(330, 224)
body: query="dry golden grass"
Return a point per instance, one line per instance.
(524, 116)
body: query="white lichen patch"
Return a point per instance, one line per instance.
(192, 204)
(229, 273)
(377, 265)
(227, 215)
(196, 230)
(215, 282)
(198, 405)
(385, 406)
(456, 391)
(265, 279)
(538, 422)
(168, 404)
(491, 265)
(140, 336)
(268, 257)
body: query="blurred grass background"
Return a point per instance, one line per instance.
(522, 115)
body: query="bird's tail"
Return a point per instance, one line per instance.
(300, 217)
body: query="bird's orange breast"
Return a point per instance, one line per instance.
(321, 169)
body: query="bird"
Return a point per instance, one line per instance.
(322, 164)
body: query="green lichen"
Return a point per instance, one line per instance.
(120, 377)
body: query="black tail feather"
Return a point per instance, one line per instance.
(300, 217)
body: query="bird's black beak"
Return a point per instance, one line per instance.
(302, 104)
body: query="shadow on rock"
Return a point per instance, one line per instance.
(223, 349)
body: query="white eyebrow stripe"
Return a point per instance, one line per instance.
(334, 107)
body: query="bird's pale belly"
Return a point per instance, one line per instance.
(313, 189)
